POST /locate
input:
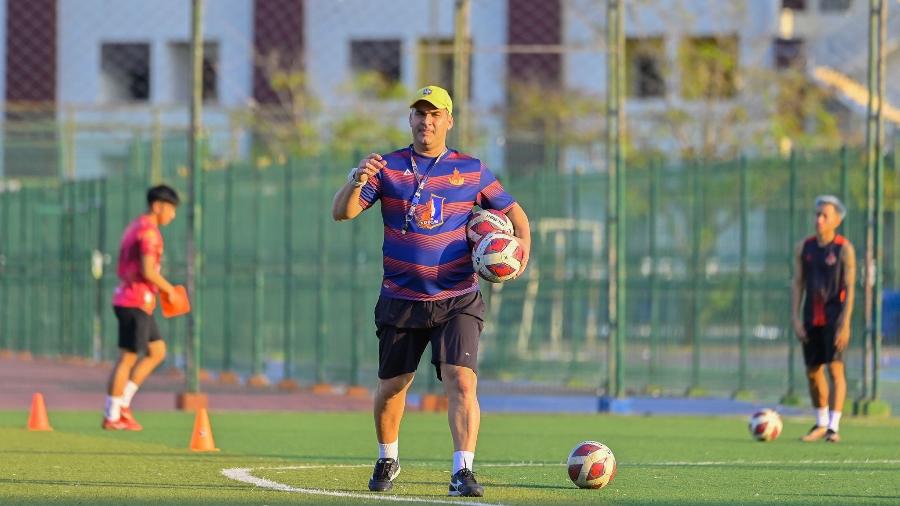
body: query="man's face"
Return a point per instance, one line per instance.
(164, 211)
(827, 219)
(429, 124)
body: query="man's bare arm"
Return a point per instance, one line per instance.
(797, 289)
(149, 272)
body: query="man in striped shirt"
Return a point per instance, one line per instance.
(430, 291)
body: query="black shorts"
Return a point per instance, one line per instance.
(819, 348)
(136, 328)
(405, 327)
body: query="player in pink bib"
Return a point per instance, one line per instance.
(134, 300)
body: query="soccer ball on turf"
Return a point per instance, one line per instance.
(485, 221)
(765, 425)
(498, 257)
(591, 465)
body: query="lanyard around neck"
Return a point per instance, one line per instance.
(411, 213)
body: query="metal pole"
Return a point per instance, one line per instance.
(322, 278)
(792, 265)
(615, 117)
(461, 54)
(879, 200)
(100, 204)
(195, 211)
(873, 154)
(287, 326)
(227, 361)
(24, 255)
(258, 378)
(5, 262)
(742, 279)
(696, 325)
(655, 170)
(355, 327)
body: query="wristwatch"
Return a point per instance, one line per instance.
(351, 178)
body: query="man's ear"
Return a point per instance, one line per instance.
(451, 123)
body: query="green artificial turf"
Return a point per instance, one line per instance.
(520, 460)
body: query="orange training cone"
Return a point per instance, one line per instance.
(37, 420)
(202, 438)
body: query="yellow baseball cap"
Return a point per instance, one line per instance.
(434, 95)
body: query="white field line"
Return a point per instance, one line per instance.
(242, 474)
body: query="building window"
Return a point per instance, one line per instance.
(125, 72)
(436, 64)
(834, 5)
(789, 54)
(180, 57)
(376, 56)
(644, 67)
(709, 67)
(797, 5)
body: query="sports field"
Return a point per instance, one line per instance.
(326, 458)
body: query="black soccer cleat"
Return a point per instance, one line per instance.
(832, 436)
(463, 484)
(383, 475)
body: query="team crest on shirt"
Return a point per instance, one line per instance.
(456, 178)
(431, 213)
(830, 259)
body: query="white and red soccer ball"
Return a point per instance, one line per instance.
(498, 257)
(765, 425)
(485, 221)
(591, 465)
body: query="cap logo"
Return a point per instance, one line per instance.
(426, 91)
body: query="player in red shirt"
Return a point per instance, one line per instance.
(140, 254)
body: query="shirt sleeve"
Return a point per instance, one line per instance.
(491, 194)
(371, 191)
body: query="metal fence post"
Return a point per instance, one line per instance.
(100, 270)
(322, 279)
(228, 333)
(743, 310)
(5, 264)
(287, 322)
(616, 219)
(195, 253)
(655, 169)
(695, 324)
(257, 316)
(791, 397)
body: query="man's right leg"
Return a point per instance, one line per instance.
(390, 403)
(818, 392)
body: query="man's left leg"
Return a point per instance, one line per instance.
(156, 353)
(464, 416)
(836, 402)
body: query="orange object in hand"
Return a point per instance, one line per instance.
(175, 307)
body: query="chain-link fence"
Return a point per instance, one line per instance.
(289, 293)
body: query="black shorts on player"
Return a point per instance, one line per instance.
(137, 329)
(405, 327)
(819, 346)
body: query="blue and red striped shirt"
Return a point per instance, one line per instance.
(432, 261)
